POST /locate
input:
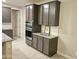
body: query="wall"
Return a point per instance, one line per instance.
(67, 28)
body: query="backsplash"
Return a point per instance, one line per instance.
(53, 30)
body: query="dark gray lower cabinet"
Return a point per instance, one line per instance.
(50, 46)
(35, 41)
(45, 45)
(40, 43)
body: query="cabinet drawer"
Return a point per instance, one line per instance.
(35, 42)
(40, 43)
(29, 42)
(46, 46)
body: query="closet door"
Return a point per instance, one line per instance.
(6, 14)
(45, 14)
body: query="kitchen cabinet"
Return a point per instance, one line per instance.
(49, 13)
(45, 14)
(40, 14)
(6, 15)
(40, 43)
(34, 41)
(29, 12)
(29, 42)
(50, 46)
(54, 13)
(46, 45)
(32, 25)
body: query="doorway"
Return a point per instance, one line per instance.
(15, 22)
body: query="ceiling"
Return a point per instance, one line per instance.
(22, 3)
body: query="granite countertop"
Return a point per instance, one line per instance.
(6, 38)
(46, 36)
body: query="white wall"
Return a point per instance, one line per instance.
(23, 19)
(67, 29)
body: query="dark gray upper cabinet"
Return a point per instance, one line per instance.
(29, 12)
(54, 13)
(6, 14)
(49, 13)
(40, 14)
(45, 14)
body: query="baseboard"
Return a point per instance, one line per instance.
(65, 55)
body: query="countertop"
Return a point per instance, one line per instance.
(46, 36)
(5, 38)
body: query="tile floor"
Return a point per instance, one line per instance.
(20, 50)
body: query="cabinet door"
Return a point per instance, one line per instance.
(54, 13)
(45, 14)
(27, 13)
(34, 41)
(46, 46)
(40, 43)
(31, 12)
(40, 14)
(6, 14)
